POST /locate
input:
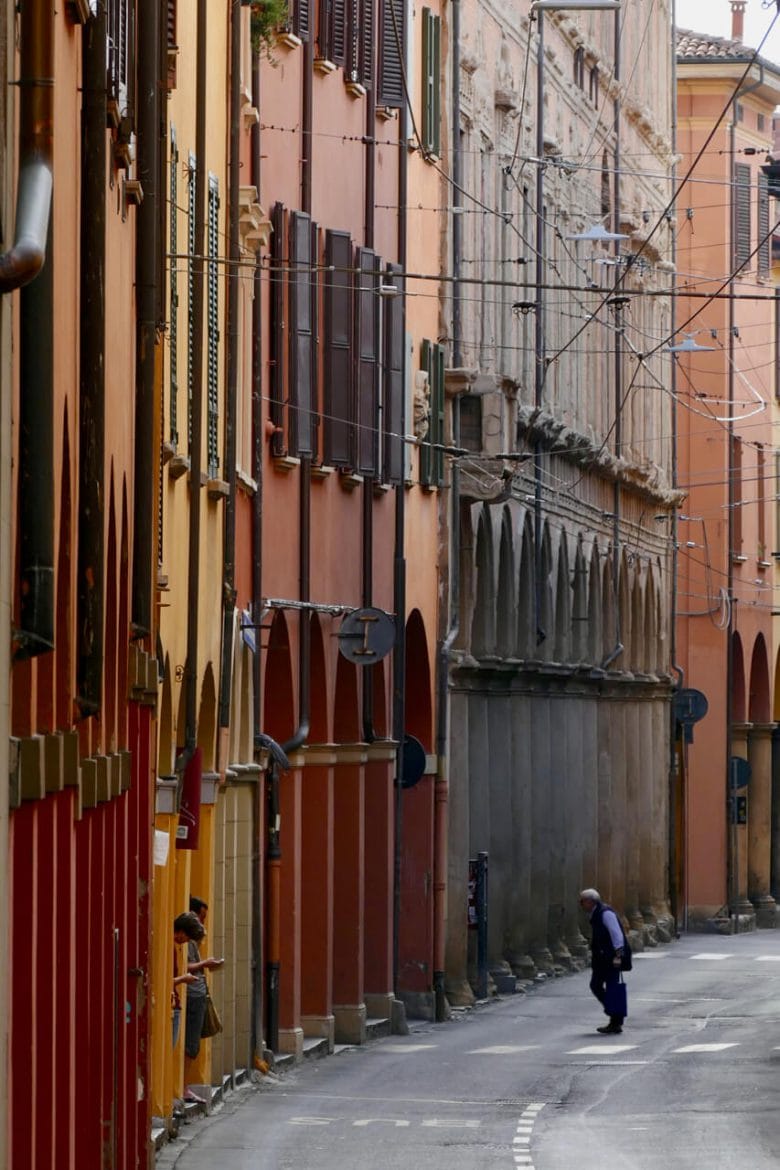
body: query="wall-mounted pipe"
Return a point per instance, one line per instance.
(25, 259)
(229, 542)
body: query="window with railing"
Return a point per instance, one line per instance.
(212, 316)
(191, 191)
(173, 288)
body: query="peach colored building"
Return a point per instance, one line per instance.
(726, 386)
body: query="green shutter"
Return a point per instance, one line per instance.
(437, 415)
(426, 461)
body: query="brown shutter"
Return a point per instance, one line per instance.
(367, 43)
(354, 8)
(764, 234)
(301, 334)
(338, 396)
(367, 332)
(741, 214)
(325, 30)
(393, 397)
(278, 326)
(338, 31)
(391, 53)
(302, 19)
(171, 24)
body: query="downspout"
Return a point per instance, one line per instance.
(147, 300)
(540, 356)
(22, 263)
(18, 267)
(92, 369)
(196, 455)
(258, 447)
(441, 799)
(368, 483)
(229, 545)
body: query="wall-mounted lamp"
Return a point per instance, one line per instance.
(598, 234)
(689, 345)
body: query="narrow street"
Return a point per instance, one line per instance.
(527, 1082)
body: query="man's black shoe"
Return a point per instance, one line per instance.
(610, 1030)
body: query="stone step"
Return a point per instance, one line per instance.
(377, 1028)
(314, 1047)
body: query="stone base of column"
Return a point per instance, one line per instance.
(379, 1005)
(504, 978)
(291, 1041)
(543, 960)
(767, 912)
(665, 925)
(578, 947)
(350, 1023)
(420, 1005)
(321, 1028)
(562, 956)
(523, 966)
(459, 993)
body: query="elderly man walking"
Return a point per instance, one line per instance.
(609, 948)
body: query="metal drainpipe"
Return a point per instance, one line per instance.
(90, 571)
(540, 366)
(147, 301)
(258, 447)
(229, 544)
(25, 259)
(18, 267)
(196, 455)
(441, 800)
(368, 484)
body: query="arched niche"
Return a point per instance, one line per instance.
(417, 682)
(563, 649)
(526, 637)
(738, 690)
(483, 627)
(759, 696)
(506, 607)
(278, 703)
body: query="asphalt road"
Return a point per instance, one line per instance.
(691, 1084)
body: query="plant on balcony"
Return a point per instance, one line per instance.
(267, 18)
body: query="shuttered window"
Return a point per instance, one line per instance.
(431, 94)
(303, 310)
(393, 382)
(173, 288)
(171, 42)
(764, 234)
(741, 214)
(332, 31)
(278, 326)
(339, 407)
(367, 375)
(360, 42)
(761, 501)
(777, 345)
(736, 495)
(212, 299)
(431, 453)
(301, 18)
(391, 53)
(120, 22)
(191, 190)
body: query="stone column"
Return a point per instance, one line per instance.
(349, 1009)
(498, 780)
(317, 897)
(540, 832)
(379, 845)
(521, 892)
(658, 876)
(738, 838)
(479, 798)
(580, 769)
(457, 987)
(634, 715)
(760, 824)
(560, 793)
(775, 860)
(600, 877)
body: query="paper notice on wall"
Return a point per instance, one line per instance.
(162, 842)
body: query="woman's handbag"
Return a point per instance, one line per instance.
(616, 998)
(212, 1024)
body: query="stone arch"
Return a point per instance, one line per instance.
(579, 609)
(649, 649)
(624, 612)
(759, 705)
(526, 639)
(562, 647)
(608, 602)
(417, 682)
(506, 607)
(545, 632)
(346, 709)
(483, 620)
(207, 720)
(318, 685)
(595, 615)
(278, 701)
(636, 658)
(242, 690)
(738, 693)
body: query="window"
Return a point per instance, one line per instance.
(777, 503)
(360, 42)
(212, 314)
(579, 67)
(764, 232)
(431, 79)
(367, 357)
(736, 496)
(303, 315)
(300, 18)
(470, 408)
(594, 88)
(339, 405)
(760, 123)
(278, 325)
(431, 453)
(392, 456)
(739, 112)
(741, 215)
(171, 43)
(191, 187)
(173, 289)
(120, 19)
(761, 501)
(332, 31)
(391, 53)
(606, 186)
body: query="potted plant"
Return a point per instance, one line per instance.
(267, 18)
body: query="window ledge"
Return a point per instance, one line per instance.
(178, 466)
(764, 564)
(350, 480)
(738, 558)
(386, 114)
(217, 489)
(285, 463)
(168, 450)
(288, 40)
(381, 489)
(322, 471)
(324, 66)
(356, 90)
(246, 481)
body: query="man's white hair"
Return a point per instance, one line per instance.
(592, 895)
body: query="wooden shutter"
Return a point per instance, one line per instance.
(367, 332)
(393, 382)
(367, 43)
(741, 214)
(354, 9)
(338, 396)
(764, 234)
(302, 19)
(426, 465)
(325, 30)
(338, 31)
(391, 53)
(431, 97)
(278, 326)
(171, 24)
(173, 322)
(437, 415)
(302, 284)
(212, 319)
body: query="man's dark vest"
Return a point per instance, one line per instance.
(600, 942)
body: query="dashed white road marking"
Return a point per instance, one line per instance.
(650, 955)
(521, 1142)
(403, 1048)
(705, 1047)
(601, 1050)
(503, 1050)
(711, 956)
(768, 958)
